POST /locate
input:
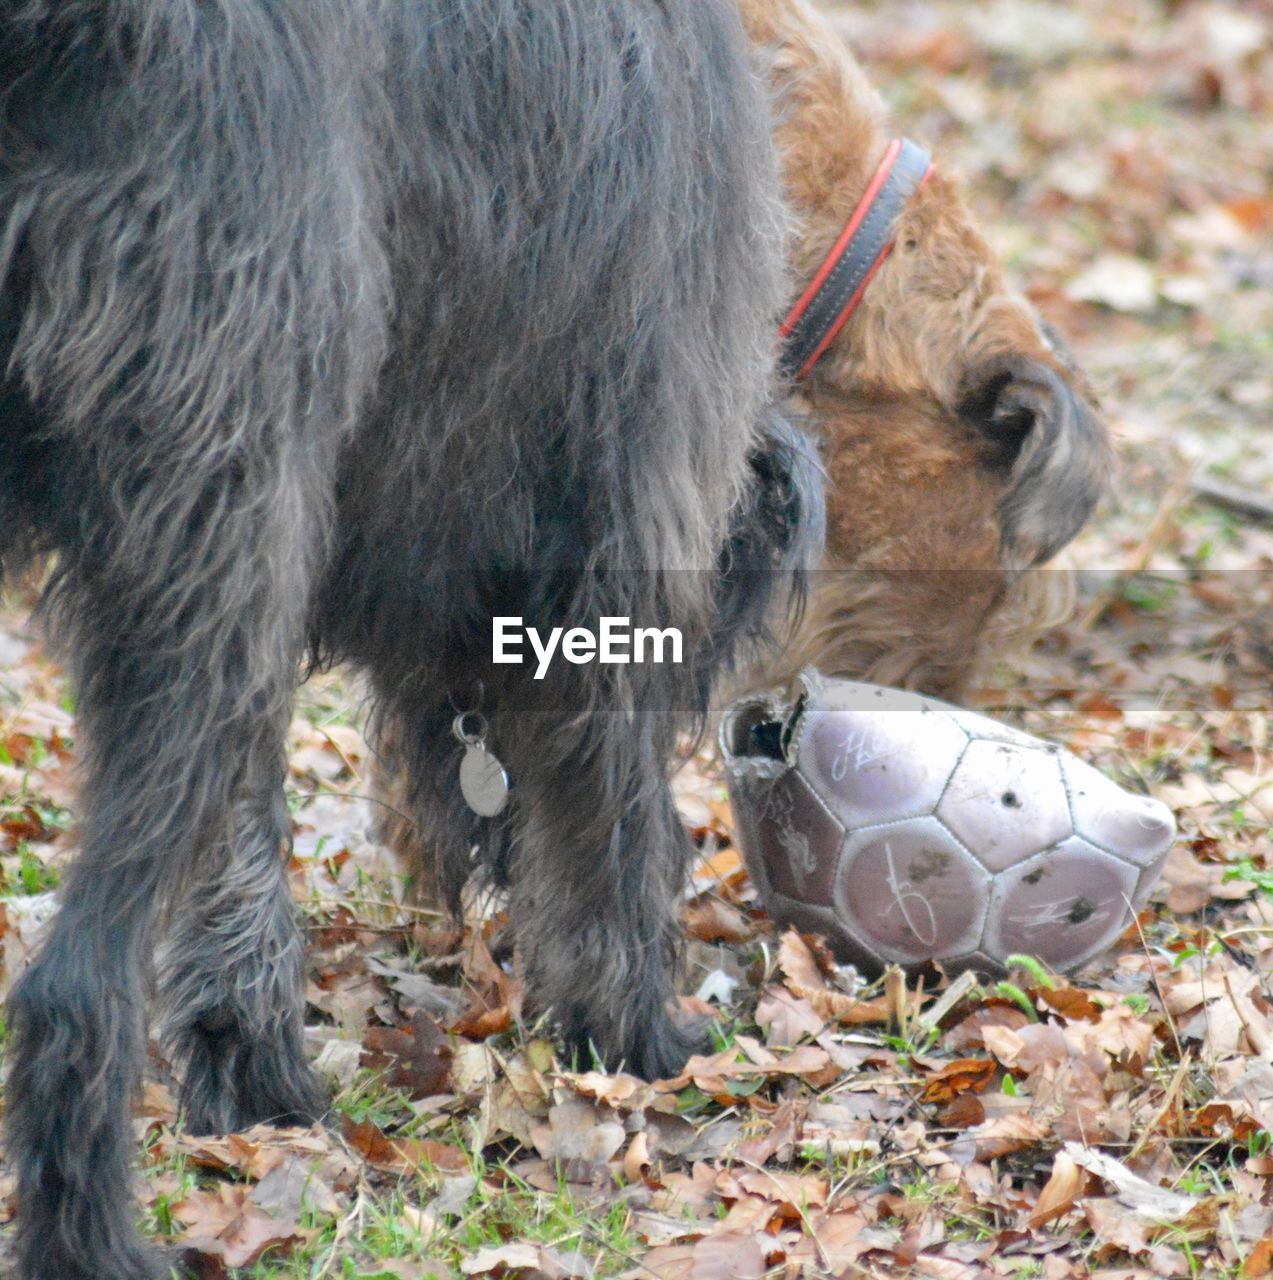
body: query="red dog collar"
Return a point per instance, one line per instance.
(857, 255)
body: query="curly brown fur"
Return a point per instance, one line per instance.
(345, 325)
(960, 444)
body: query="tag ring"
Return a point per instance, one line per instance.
(470, 727)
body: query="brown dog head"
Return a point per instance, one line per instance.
(960, 444)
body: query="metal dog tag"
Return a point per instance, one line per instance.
(483, 781)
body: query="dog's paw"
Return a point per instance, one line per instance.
(663, 1053)
(262, 1088)
(122, 1261)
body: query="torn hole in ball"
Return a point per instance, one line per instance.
(759, 732)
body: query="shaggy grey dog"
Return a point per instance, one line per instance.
(335, 328)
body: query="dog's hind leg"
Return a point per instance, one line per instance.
(232, 977)
(231, 971)
(185, 612)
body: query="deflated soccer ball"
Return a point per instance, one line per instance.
(907, 830)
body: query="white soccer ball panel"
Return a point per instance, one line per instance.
(880, 766)
(1063, 905)
(1137, 828)
(910, 892)
(1006, 802)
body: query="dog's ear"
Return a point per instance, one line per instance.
(1042, 431)
(1008, 397)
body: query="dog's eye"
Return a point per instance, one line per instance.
(910, 244)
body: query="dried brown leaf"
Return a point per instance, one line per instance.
(1062, 1189)
(223, 1226)
(805, 978)
(401, 1155)
(710, 919)
(575, 1131)
(962, 1076)
(416, 1060)
(1155, 1203)
(786, 1019)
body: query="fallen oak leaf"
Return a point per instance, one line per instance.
(338, 1062)
(253, 1153)
(410, 1269)
(1001, 1136)
(969, 1032)
(799, 1190)
(728, 1256)
(722, 1256)
(637, 1159)
(804, 975)
(482, 970)
(621, 1091)
(1005, 1043)
(833, 1245)
(782, 1129)
(1112, 1225)
(223, 1225)
(710, 919)
(156, 1103)
(292, 1189)
(1259, 1262)
(417, 1061)
(1192, 884)
(1072, 1003)
(724, 868)
(482, 1024)
(496, 996)
(665, 1262)
(574, 1131)
(798, 962)
(504, 1257)
(964, 1111)
(418, 990)
(712, 1074)
(541, 1261)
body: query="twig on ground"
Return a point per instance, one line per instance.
(1251, 504)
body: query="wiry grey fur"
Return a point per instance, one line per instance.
(341, 326)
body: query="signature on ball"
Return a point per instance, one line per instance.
(914, 906)
(861, 747)
(780, 810)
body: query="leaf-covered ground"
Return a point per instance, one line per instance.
(1116, 1124)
